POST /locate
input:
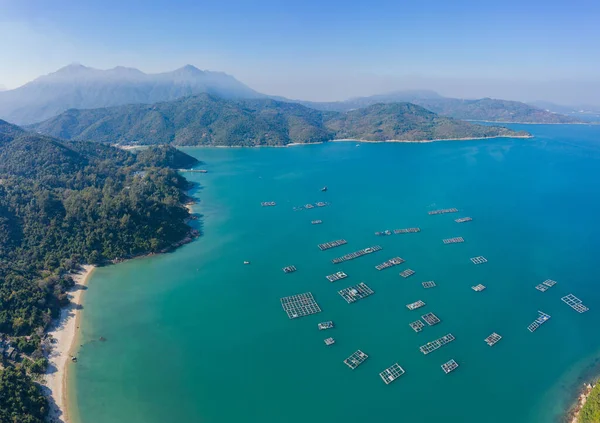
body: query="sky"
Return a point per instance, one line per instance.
(322, 50)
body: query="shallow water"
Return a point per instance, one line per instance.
(196, 336)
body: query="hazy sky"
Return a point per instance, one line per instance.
(321, 50)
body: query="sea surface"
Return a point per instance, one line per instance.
(197, 336)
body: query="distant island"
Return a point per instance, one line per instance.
(209, 120)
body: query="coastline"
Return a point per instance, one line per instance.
(575, 410)
(64, 331)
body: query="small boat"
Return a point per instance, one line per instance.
(324, 189)
(246, 262)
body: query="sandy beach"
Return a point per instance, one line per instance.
(64, 332)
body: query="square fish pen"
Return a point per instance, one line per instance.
(428, 284)
(406, 273)
(391, 373)
(479, 260)
(492, 339)
(355, 293)
(575, 303)
(356, 359)
(449, 366)
(300, 305)
(431, 319)
(417, 325)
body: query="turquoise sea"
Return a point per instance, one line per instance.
(196, 336)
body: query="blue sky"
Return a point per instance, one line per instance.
(320, 49)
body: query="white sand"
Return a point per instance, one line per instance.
(64, 331)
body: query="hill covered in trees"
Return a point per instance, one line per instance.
(63, 204)
(209, 120)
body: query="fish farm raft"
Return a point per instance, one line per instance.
(456, 240)
(300, 305)
(428, 284)
(406, 273)
(391, 373)
(390, 263)
(356, 254)
(449, 366)
(336, 276)
(289, 269)
(463, 219)
(479, 260)
(542, 318)
(356, 359)
(575, 303)
(355, 293)
(438, 343)
(492, 339)
(431, 319)
(332, 244)
(415, 305)
(417, 325)
(442, 211)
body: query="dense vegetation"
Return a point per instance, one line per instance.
(63, 204)
(20, 399)
(208, 120)
(380, 122)
(590, 413)
(485, 109)
(77, 86)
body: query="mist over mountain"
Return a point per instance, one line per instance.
(81, 87)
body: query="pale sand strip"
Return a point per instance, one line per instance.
(64, 331)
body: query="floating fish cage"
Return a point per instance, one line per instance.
(336, 276)
(449, 366)
(268, 203)
(391, 373)
(332, 244)
(455, 240)
(325, 325)
(417, 325)
(575, 303)
(478, 288)
(406, 273)
(542, 318)
(407, 231)
(463, 219)
(479, 260)
(329, 341)
(415, 305)
(289, 269)
(438, 343)
(316, 222)
(356, 254)
(355, 293)
(390, 263)
(431, 319)
(356, 359)
(442, 211)
(428, 284)
(492, 339)
(300, 305)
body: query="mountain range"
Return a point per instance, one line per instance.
(210, 120)
(81, 87)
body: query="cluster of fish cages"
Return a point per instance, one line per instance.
(336, 276)
(575, 303)
(268, 203)
(316, 222)
(455, 240)
(300, 305)
(415, 305)
(391, 373)
(431, 319)
(356, 359)
(478, 288)
(449, 366)
(479, 260)
(428, 284)
(463, 219)
(289, 269)
(542, 318)
(390, 263)
(325, 325)
(546, 285)
(332, 244)
(492, 339)
(407, 231)
(356, 254)
(355, 293)
(438, 343)
(442, 211)
(417, 325)
(406, 273)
